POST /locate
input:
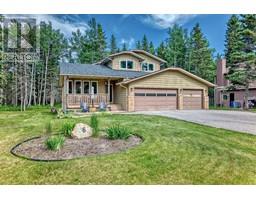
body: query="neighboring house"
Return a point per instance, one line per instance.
(226, 97)
(132, 81)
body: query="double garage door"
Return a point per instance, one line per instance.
(165, 99)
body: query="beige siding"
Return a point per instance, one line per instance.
(150, 60)
(120, 97)
(169, 79)
(117, 59)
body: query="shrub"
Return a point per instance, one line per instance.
(55, 142)
(117, 132)
(67, 128)
(95, 125)
(48, 128)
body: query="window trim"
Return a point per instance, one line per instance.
(72, 85)
(126, 61)
(147, 67)
(75, 86)
(97, 86)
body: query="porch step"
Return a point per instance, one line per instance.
(115, 107)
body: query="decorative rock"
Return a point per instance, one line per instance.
(81, 131)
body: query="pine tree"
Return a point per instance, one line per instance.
(144, 43)
(176, 47)
(202, 63)
(77, 42)
(124, 47)
(151, 48)
(101, 43)
(113, 46)
(233, 42)
(161, 51)
(244, 68)
(138, 45)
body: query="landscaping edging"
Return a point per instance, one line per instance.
(81, 148)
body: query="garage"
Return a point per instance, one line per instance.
(155, 99)
(192, 99)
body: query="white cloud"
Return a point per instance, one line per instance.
(129, 42)
(66, 24)
(164, 21)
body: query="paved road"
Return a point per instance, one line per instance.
(231, 120)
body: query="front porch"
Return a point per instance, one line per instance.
(92, 92)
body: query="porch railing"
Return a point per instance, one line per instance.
(75, 100)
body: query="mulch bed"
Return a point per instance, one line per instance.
(35, 148)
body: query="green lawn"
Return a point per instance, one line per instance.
(174, 152)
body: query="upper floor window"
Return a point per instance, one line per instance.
(148, 67)
(126, 64)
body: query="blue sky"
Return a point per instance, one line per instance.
(130, 28)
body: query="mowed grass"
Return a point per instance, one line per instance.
(173, 152)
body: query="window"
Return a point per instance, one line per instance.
(78, 87)
(123, 64)
(225, 97)
(126, 64)
(147, 67)
(129, 64)
(86, 87)
(94, 85)
(70, 87)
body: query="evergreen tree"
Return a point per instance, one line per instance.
(113, 46)
(124, 47)
(151, 48)
(201, 62)
(161, 51)
(94, 46)
(138, 45)
(101, 43)
(176, 47)
(244, 67)
(144, 43)
(76, 41)
(233, 42)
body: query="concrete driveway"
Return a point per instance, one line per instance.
(231, 120)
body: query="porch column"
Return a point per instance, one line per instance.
(64, 94)
(108, 98)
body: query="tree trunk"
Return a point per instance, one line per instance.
(246, 95)
(31, 85)
(25, 86)
(45, 74)
(52, 95)
(41, 88)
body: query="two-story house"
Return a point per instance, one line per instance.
(226, 97)
(132, 81)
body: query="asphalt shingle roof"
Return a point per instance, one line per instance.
(97, 70)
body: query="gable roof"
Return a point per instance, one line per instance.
(120, 53)
(149, 54)
(132, 53)
(170, 69)
(97, 70)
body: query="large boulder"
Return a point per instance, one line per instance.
(81, 131)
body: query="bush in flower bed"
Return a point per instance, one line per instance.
(95, 125)
(55, 142)
(117, 132)
(67, 128)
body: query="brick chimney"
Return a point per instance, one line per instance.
(221, 71)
